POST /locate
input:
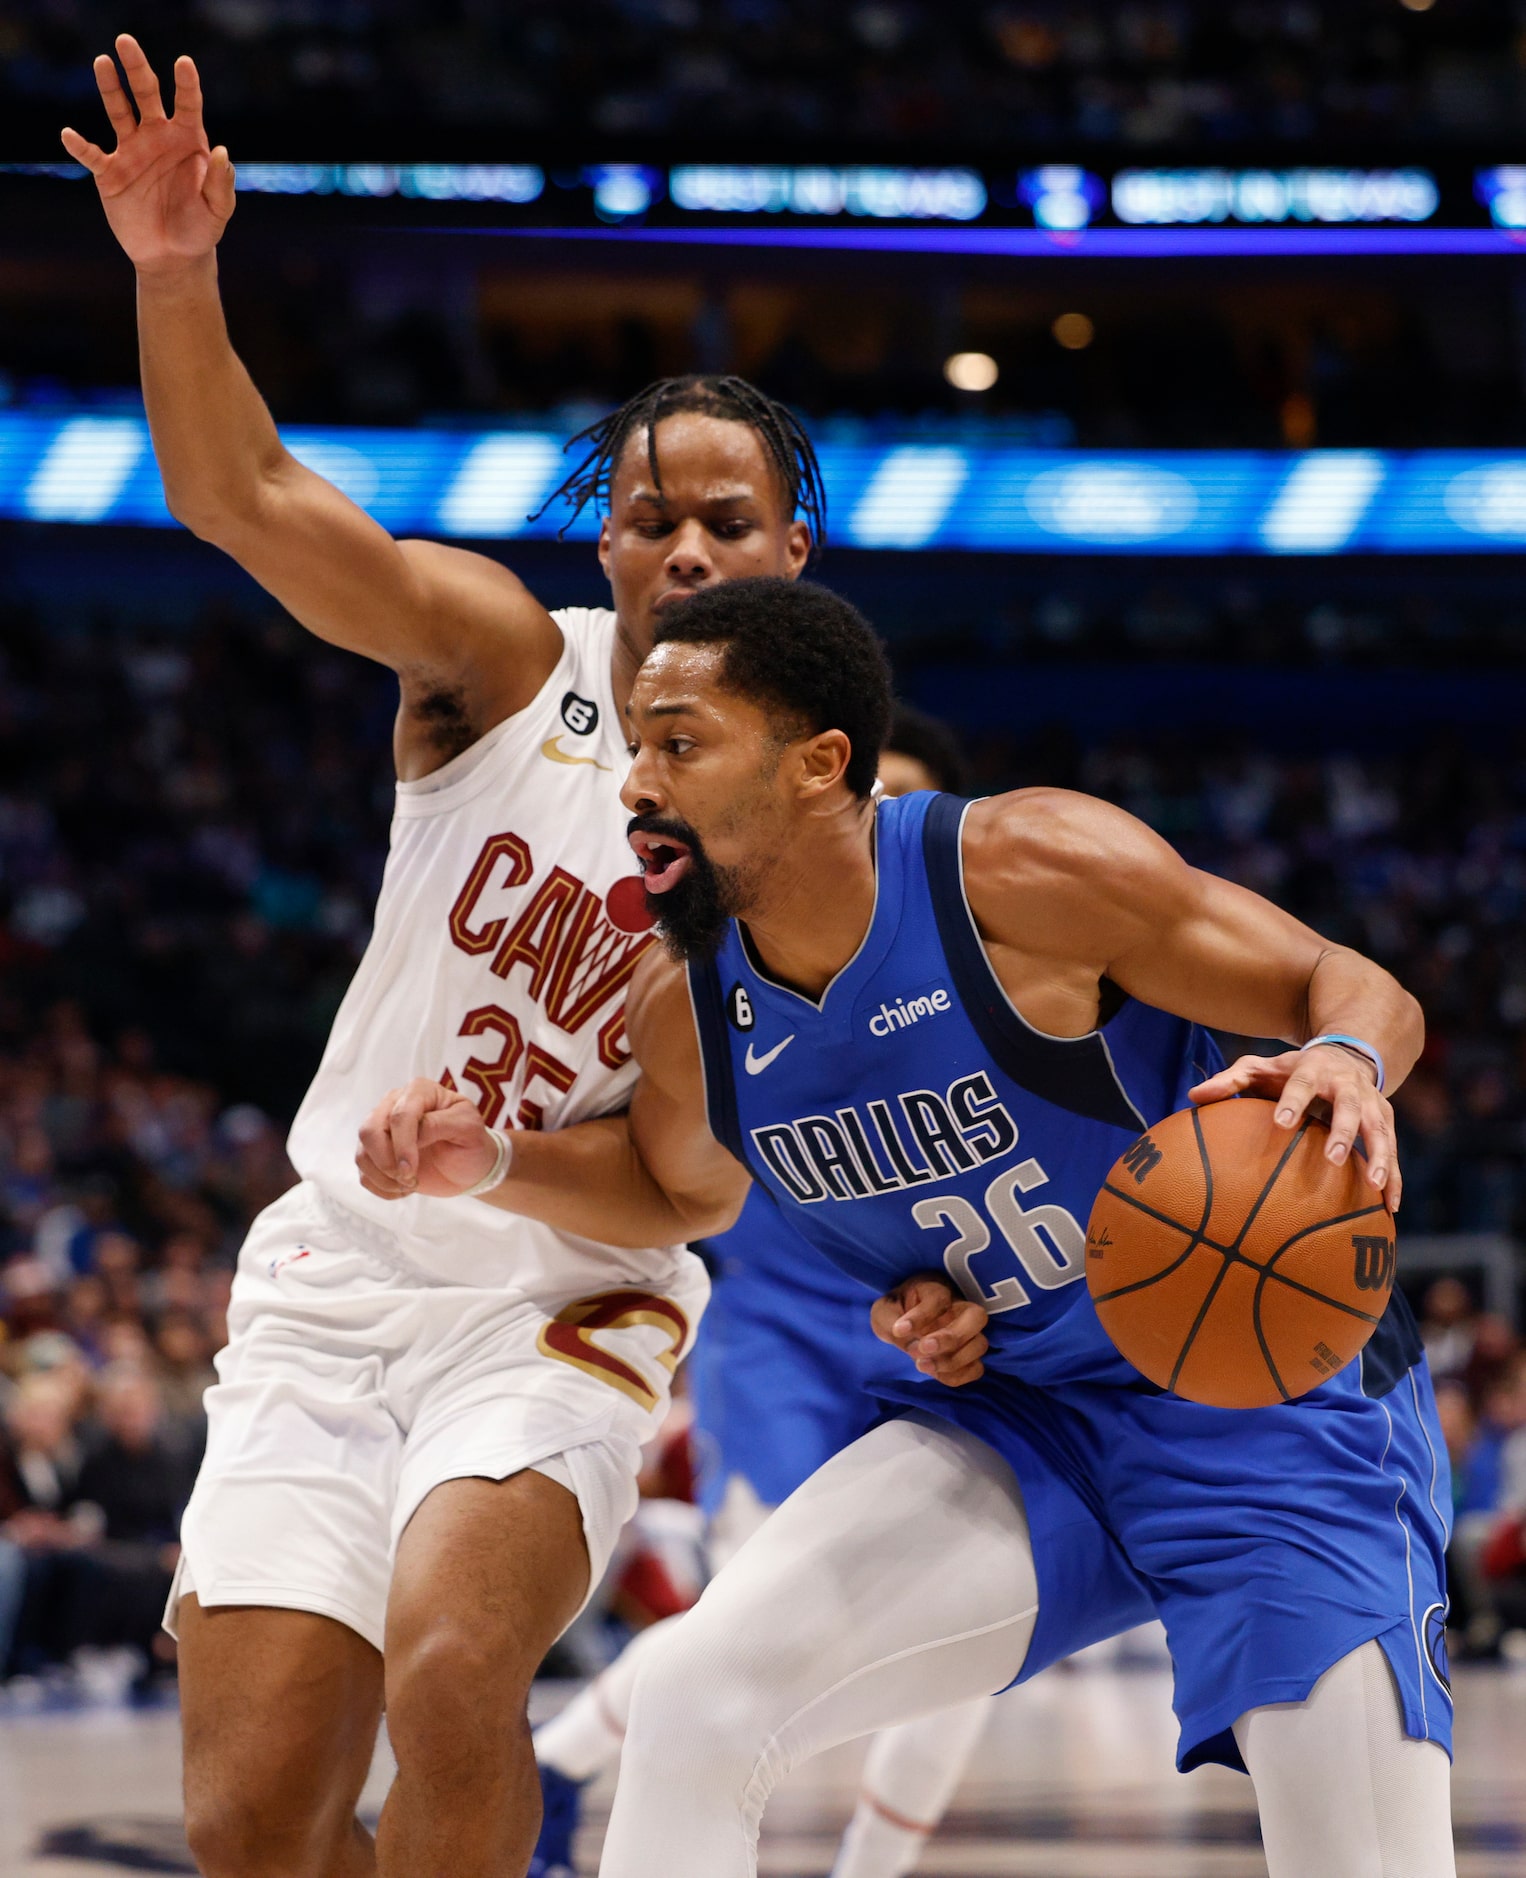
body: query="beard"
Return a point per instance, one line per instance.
(692, 915)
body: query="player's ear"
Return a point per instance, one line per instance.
(823, 759)
(604, 546)
(797, 549)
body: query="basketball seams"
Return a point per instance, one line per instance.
(1266, 1192)
(1266, 1348)
(1248, 1143)
(1197, 1322)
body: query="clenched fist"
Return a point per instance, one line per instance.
(424, 1138)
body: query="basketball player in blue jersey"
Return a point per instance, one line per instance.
(781, 1379)
(928, 1029)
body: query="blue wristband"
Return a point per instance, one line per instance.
(1351, 1043)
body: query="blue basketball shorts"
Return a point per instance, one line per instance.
(1271, 1542)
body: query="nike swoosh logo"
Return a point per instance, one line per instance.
(757, 1064)
(552, 748)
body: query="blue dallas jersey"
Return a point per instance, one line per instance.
(911, 1120)
(783, 1374)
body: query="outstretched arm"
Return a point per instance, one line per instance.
(1066, 883)
(450, 623)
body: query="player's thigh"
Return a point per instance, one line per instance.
(279, 1713)
(910, 1544)
(1343, 1791)
(488, 1574)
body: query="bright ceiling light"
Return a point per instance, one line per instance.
(971, 371)
(1074, 331)
(1417, 6)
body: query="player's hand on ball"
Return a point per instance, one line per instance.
(167, 193)
(1344, 1082)
(424, 1138)
(943, 1333)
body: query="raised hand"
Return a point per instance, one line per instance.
(167, 194)
(943, 1333)
(423, 1139)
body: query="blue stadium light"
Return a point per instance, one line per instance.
(1061, 196)
(1272, 197)
(955, 195)
(622, 190)
(903, 494)
(1503, 193)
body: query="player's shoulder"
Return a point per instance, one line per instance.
(1046, 827)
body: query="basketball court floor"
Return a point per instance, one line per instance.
(1073, 1780)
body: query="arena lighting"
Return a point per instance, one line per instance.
(971, 371)
(1061, 196)
(956, 195)
(517, 183)
(906, 491)
(1073, 331)
(1503, 193)
(1275, 196)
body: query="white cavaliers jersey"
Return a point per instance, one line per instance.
(510, 920)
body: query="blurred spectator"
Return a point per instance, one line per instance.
(1485, 1553)
(40, 1462)
(1448, 1325)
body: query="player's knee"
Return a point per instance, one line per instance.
(702, 1707)
(245, 1834)
(456, 1690)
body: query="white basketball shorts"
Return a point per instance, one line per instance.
(353, 1385)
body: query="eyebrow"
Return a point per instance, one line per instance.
(663, 710)
(738, 493)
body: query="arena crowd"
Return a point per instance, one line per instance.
(887, 75)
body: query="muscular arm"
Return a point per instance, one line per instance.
(655, 1176)
(1067, 891)
(469, 643)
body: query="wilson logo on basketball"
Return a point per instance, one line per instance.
(1141, 1158)
(1374, 1261)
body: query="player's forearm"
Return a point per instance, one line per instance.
(213, 436)
(1350, 995)
(591, 1180)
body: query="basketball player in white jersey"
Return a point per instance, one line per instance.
(418, 1455)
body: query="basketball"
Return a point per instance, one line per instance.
(1231, 1263)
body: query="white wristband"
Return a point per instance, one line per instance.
(497, 1173)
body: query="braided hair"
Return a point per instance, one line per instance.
(778, 429)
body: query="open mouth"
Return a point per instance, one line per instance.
(664, 859)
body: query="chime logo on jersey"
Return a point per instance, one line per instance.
(881, 1146)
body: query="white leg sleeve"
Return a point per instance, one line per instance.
(1343, 1792)
(586, 1736)
(909, 1778)
(897, 1581)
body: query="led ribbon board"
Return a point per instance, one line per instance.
(1053, 209)
(907, 495)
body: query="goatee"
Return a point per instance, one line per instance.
(692, 915)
